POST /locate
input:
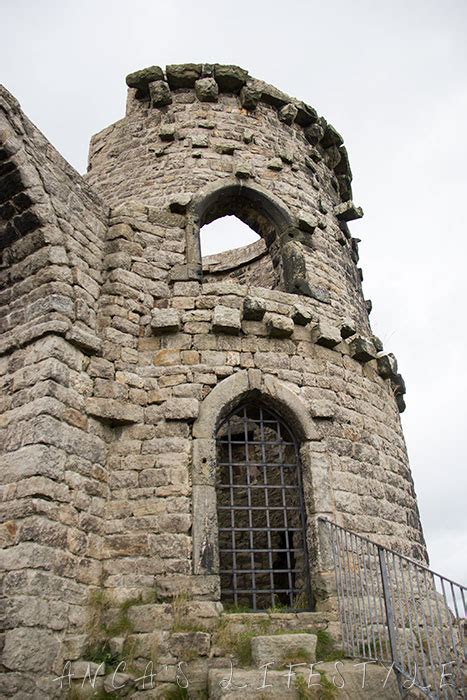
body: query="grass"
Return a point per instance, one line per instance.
(326, 647)
(176, 693)
(297, 656)
(99, 631)
(236, 608)
(237, 644)
(327, 691)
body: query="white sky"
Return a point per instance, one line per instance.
(391, 76)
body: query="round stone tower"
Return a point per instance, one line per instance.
(262, 400)
(174, 427)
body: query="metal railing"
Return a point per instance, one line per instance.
(397, 611)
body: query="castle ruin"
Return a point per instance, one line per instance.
(173, 426)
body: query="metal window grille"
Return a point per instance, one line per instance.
(261, 516)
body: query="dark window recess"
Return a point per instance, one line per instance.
(261, 516)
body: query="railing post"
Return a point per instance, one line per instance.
(390, 618)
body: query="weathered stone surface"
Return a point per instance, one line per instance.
(276, 648)
(362, 349)
(326, 334)
(167, 132)
(347, 211)
(307, 222)
(279, 326)
(183, 75)
(243, 170)
(181, 409)
(331, 137)
(348, 328)
(118, 683)
(301, 315)
(320, 408)
(140, 79)
(159, 93)
(165, 321)
(287, 113)
(387, 366)
(314, 134)
(250, 95)
(113, 410)
(29, 650)
(187, 643)
(207, 90)
(226, 320)
(179, 204)
(230, 78)
(275, 164)
(253, 309)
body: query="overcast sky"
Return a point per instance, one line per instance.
(391, 76)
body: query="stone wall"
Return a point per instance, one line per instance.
(122, 351)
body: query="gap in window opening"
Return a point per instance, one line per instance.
(225, 233)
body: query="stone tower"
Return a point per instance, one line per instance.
(174, 426)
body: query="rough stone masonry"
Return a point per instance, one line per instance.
(122, 351)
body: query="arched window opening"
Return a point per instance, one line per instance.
(261, 515)
(224, 234)
(231, 250)
(228, 218)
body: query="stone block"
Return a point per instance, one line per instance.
(318, 293)
(226, 320)
(253, 309)
(181, 409)
(348, 328)
(301, 315)
(243, 171)
(275, 164)
(326, 334)
(306, 114)
(347, 211)
(183, 644)
(362, 349)
(165, 321)
(387, 366)
(117, 683)
(320, 408)
(167, 132)
(29, 649)
(159, 93)
(275, 648)
(287, 113)
(179, 204)
(279, 326)
(114, 411)
(183, 75)
(249, 97)
(230, 78)
(207, 90)
(313, 134)
(307, 222)
(140, 79)
(331, 137)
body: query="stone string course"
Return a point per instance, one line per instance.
(121, 350)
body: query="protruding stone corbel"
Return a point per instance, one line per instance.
(347, 211)
(165, 321)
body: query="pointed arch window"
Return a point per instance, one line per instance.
(261, 515)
